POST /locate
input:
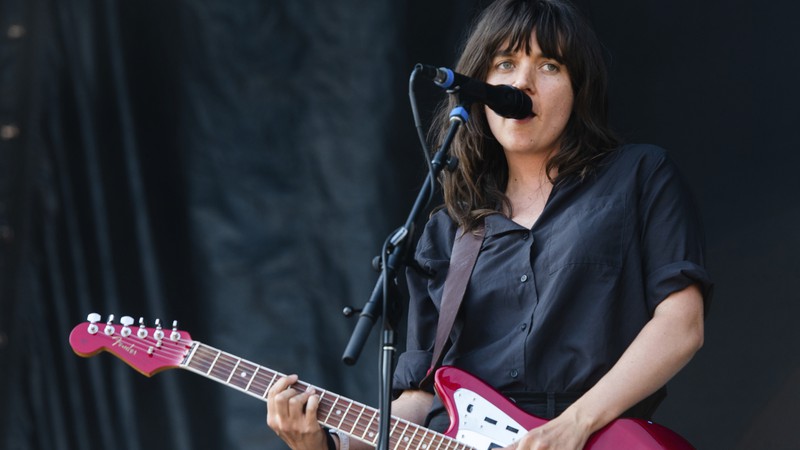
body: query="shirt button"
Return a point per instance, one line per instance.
(523, 327)
(523, 278)
(525, 236)
(513, 373)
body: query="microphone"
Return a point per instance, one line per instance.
(505, 100)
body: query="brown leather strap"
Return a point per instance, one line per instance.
(462, 262)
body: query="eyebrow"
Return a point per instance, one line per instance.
(503, 52)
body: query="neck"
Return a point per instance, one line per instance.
(526, 173)
(528, 188)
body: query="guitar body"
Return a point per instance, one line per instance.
(481, 418)
(484, 419)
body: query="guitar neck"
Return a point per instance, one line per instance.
(336, 412)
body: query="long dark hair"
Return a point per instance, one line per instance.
(477, 188)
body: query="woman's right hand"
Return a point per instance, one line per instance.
(293, 415)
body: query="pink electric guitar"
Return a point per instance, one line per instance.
(481, 418)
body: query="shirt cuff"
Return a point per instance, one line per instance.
(676, 277)
(412, 366)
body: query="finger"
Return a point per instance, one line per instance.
(311, 408)
(278, 396)
(297, 403)
(281, 385)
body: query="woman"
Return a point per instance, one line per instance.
(588, 294)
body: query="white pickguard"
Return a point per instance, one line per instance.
(483, 425)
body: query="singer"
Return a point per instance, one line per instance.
(589, 291)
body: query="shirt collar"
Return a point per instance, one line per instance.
(500, 224)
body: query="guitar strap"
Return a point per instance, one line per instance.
(462, 261)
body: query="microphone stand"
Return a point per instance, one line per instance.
(392, 258)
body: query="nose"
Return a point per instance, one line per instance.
(523, 81)
(523, 85)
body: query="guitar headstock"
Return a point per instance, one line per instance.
(149, 350)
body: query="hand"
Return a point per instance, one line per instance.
(562, 433)
(293, 415)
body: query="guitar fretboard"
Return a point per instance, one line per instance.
(357, 420)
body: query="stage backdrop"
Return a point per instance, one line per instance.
(237, 164)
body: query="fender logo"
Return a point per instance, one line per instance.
(127, 347)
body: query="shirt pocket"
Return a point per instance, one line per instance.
(589, 233)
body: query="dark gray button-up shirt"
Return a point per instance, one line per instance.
(552, 308)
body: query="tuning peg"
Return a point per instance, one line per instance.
(126, 322)
(93, 318)
(175, 336)
(142, 333)
(159, 334)
(109, 330)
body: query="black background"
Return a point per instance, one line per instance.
(237, 164)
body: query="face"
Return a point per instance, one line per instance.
(547, 83)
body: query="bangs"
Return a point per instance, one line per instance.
(514, 31)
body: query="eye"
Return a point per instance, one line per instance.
(550, 67)
(504, 65)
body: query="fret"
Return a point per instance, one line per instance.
(397, 438)
(323, 405)
(410, 441)
(391, 432)
(223, 367)
(190, 355)
(431, 441)
(368, 431)
(451, 443)
(344, 416)
(439, 443)
(357, 420)
(322, 399)
(327, 400)
(253, 377)
(199, 359)
(243, 372)
(423, 443)
(353, 418)
(418, 436)
(403, 438)
(211, 366)
(269, 385)
(233, 371)
(337, 412)
(333, 406)
(330, 410)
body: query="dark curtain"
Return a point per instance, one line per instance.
(235, 166)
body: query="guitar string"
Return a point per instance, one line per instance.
(223, 369)
(328, 400)
(348, 422)
(176, 351)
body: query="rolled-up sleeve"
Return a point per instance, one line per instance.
(672, 235)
